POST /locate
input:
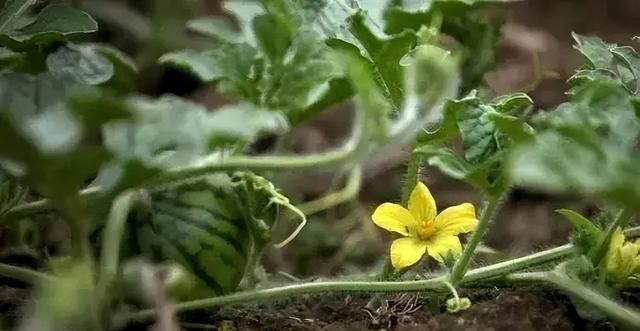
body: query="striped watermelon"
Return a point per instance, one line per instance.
(215, 227)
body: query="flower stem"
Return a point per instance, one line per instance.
(462, 264)
(613, 309)
(410, 182)
(411, 178)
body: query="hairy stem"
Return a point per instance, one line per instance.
(411, 177)
(462, 264)
(576, 289)
(436, 284)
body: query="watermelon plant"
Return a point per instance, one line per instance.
(164, 200)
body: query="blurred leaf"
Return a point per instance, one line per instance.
(43, 134)
(412, 14)
(597, 110)
(283, 63)
(272, 37)
(93, 108)
(371, 98)
(245, 11)
(31, 106)
(79, 64)
(53, 23)
(11, 11)
(10, 59)
(218, 28)
(171, 132)
(243, 123)
(200, 64)
(586, 146)
(125, 70)
(478, 35)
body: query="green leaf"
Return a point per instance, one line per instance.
(477, 130)
(607, 61)
(481, 176)
(304, 78)
(595, 51)
(445, 160)
(512, 103)
(449, 126)
(272, 37)
(80, 64)
(12, 11)
(586, 235)
(629, 59)
(54, 22)
(511, 126)
(344, 22)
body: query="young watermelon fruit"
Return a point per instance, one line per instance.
(215, 227)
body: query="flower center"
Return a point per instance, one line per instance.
(426, 230)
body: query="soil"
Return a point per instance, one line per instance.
(499, 309)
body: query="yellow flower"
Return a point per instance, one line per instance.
(623, 258)
(424, 230)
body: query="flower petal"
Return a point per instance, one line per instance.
(407, 252)
(457, 219)
(393, 217)
(421, 204)
(439, 247)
